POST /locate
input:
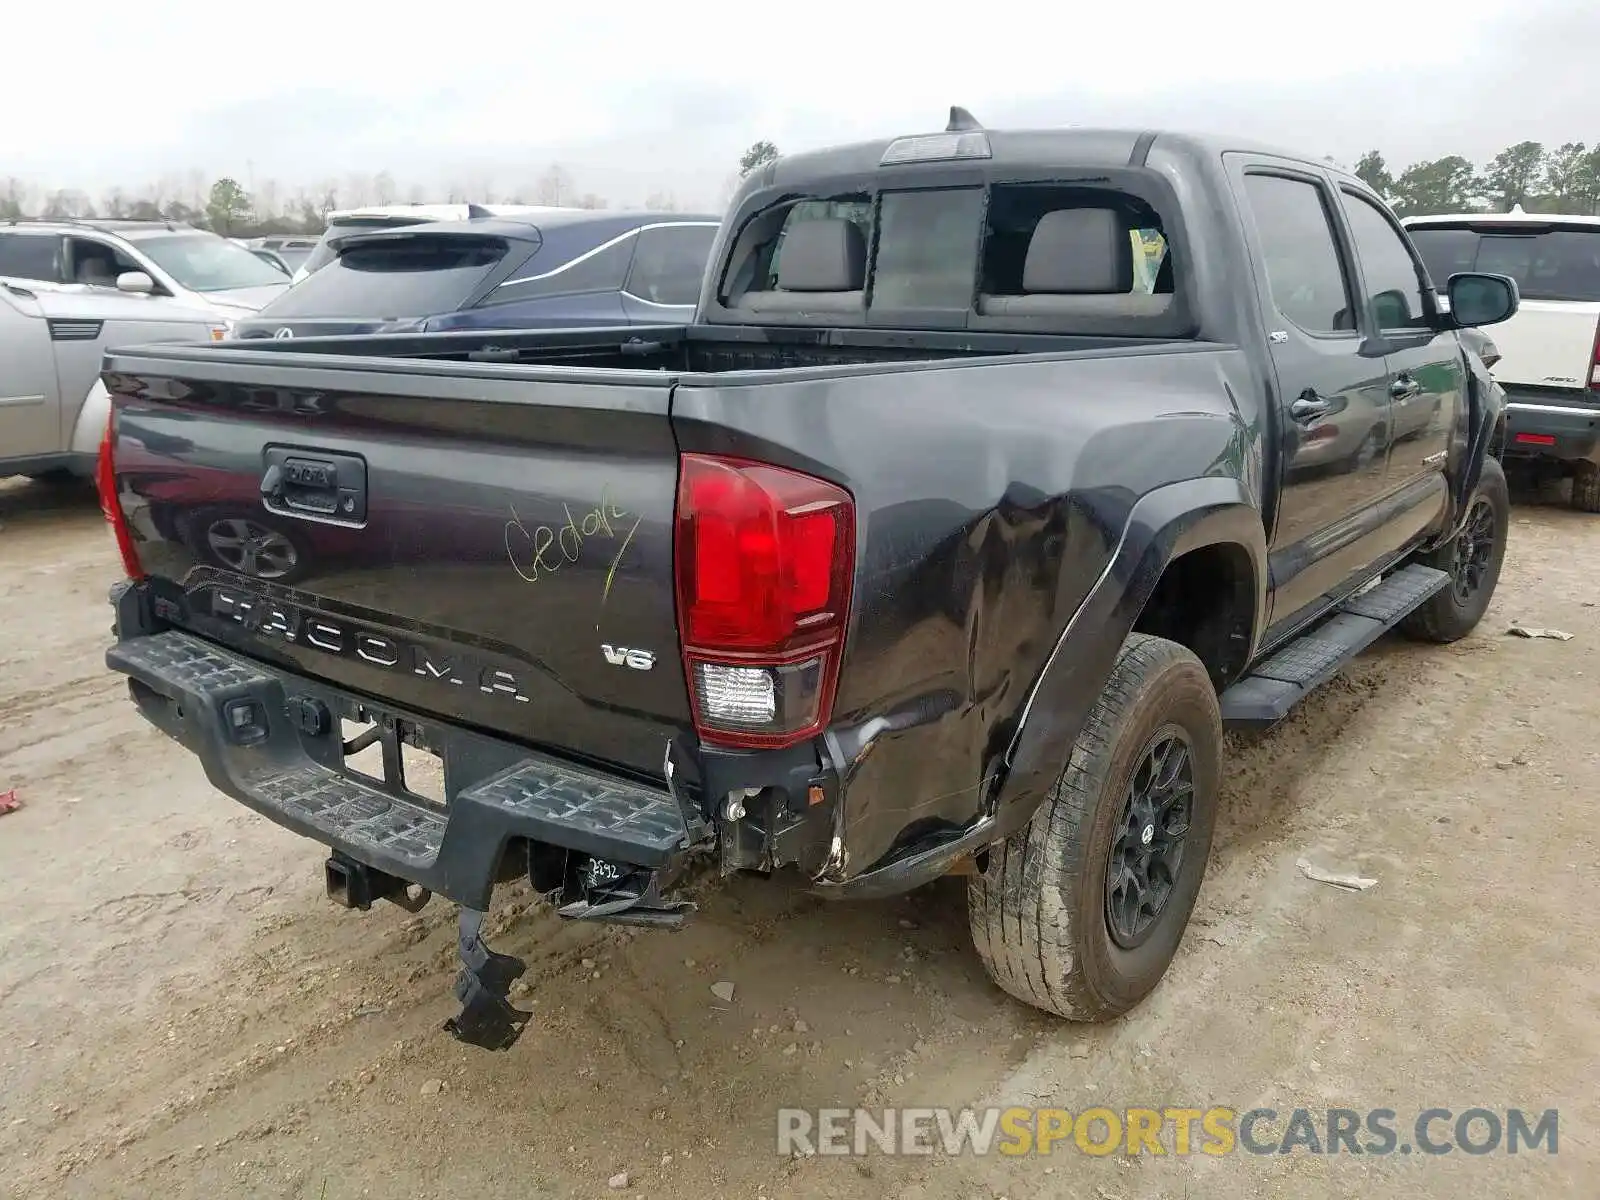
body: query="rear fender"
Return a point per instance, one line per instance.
(1484, 437)
(1165, 524)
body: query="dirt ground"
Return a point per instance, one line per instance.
(187, 1016)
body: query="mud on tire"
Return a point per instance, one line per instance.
(1041, 912)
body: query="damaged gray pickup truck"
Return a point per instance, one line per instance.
(998, 475)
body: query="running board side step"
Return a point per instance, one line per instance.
(1269, 693)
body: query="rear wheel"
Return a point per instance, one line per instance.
(1586, 487)
(1472, 559)
(1080, 912)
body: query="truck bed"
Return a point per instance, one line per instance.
(675, 349)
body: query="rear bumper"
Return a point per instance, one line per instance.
(271, 740)
(1543, 428)
(607, 848)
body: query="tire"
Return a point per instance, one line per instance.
(1454, 612)
(1040, 912)
(1586, 487)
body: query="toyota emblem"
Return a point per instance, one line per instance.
(285, 332)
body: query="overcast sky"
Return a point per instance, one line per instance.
(630, 98)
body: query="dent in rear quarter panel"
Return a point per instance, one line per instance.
(990, 497)
(463, 474)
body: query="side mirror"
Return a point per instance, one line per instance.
(1391, 309)
(1482, 299)
(135, 282)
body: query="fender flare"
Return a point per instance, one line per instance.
(1486, 401)
(1162, 526)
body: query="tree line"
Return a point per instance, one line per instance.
(1562, 179)
(1542, 179)
(234, 210)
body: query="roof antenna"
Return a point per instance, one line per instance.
(477, 211)
(961, 121)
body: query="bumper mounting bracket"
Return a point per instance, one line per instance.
(483, 985)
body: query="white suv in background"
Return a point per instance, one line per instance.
(1549, 359)
(70, 290)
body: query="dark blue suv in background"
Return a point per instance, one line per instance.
(570, 268)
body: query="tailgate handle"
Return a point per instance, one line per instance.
(316, 484)
(272, 482)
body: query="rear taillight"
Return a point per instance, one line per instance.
(105, 476)
(763, 560)
(1594, 362)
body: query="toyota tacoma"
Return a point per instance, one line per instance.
(942, 540)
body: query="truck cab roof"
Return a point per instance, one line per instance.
(1011, 149)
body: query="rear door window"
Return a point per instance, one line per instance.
(1304, 271)
(669, 263)
(35, 256)
(1547, 263)
(416, 275)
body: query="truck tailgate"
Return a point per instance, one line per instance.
(502, 560)
(1549, 343)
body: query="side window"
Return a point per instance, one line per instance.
(670, 262)
(927, 249)
(95, 263)
(35, 256)
(1302, 258)
(1394, 292)
(601, 270)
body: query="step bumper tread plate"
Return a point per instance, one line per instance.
(453, 849)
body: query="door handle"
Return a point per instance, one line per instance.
(1403, 387)
(1309, 408)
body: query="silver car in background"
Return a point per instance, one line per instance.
(69, 290)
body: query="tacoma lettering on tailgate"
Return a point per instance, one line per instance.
(270, 618)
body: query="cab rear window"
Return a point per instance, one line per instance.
(1091, 258)
(928, 250)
